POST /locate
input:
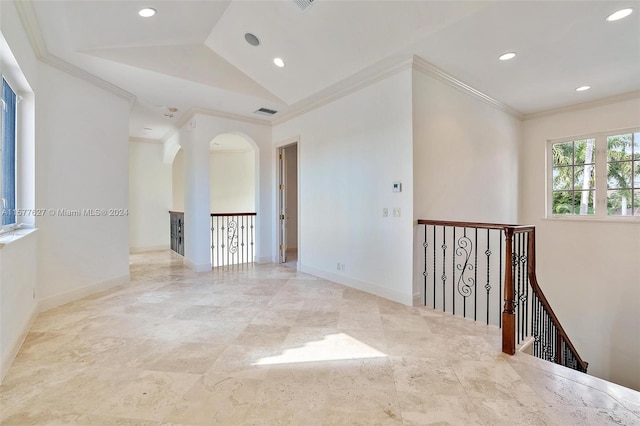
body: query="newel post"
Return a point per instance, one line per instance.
(508, 314)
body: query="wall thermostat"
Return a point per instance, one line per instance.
(397, 186)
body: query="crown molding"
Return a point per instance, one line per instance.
(32, 28)
(585, 105)
(227, 115)
(354, 83)
(145, 140)
(192, 112)
(425, 67)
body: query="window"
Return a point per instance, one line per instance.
(595, 176)
(8, 156)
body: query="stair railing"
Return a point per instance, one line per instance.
(232, 238)
(462, 272)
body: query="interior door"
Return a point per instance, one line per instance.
(282, 206)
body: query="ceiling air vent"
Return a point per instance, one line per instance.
(304, 4)
(265, 111)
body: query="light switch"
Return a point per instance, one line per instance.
(396, 212)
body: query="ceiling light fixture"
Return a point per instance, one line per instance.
(583, 88)
(507, 56)
(252, 39)
(147, 12)
(279, 62)
(622, 13)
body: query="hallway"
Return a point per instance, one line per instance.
(265, 345)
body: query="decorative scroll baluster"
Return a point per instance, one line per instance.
(464, 249)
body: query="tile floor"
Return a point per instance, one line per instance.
(267, 345)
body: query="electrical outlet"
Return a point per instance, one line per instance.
(338, 266)
(342, 267)
(385, 212)
(396, 212)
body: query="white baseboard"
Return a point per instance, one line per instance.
(417, 299)
(405, 299)
(266, 259)
(148, 248)
(61, 299)
(7, 358)
(204, 267)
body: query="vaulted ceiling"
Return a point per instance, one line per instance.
(193, 54)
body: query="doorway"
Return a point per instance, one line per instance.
(288, 205)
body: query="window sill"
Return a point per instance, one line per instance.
(15, 235)
(612, 219)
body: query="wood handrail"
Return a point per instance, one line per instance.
(479, 225)
(233, 214)
(533, 281)
(221, 214)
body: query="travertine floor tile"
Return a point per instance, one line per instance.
(267, 345)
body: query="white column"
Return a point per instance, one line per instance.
(197, 217)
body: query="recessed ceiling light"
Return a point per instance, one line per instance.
(148, 129)
(252, 39)
(583, 88)
(147, 12)
(507, 56)
(279, 62)
(622, 13)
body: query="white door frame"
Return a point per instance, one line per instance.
(280, 228)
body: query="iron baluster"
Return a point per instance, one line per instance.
(425, 273)
(444, 261)
(434, 266)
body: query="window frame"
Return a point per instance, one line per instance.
(601, 171)
(14, 224)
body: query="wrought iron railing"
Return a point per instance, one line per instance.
(176, 220)
(232, 238)
(486, 271)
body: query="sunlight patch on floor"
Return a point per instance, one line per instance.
(333, 347)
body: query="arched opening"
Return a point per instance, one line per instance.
(232, 167)
(233, 205)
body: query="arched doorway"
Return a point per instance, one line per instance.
(231, 193)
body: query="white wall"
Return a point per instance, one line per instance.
(18, 306)
(350, 152)
(589, 271)
(149, 197)
(233, 182)
(465, 157)
(178, 182)
(82, 162)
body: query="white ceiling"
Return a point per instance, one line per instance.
(193, 53)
